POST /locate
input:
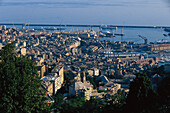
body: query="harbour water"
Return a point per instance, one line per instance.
(130, 34)
(115, 12)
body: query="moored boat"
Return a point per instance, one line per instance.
(167, 29)
(108, 27)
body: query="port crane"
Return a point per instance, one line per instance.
(144, 38)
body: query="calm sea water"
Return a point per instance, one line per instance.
(131, 34)
(117, 12)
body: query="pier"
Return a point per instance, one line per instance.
(78, 25)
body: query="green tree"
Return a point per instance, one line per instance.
(74, 105)
(115, 103)
(141, 97)
(164, 95)
(59, 101)
(19, 84)
(159, 70)
(93, 106)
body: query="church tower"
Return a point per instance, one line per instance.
(84, 77)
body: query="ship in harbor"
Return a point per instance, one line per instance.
(112, 33)
(120, 34)
(107, 33)
(167, 29)
(108, 27)
(48, 28)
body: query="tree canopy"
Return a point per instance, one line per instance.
(164, 95)
(19, 84)
(141, 97)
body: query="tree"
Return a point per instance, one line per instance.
(19, 84)
(74, 105)
(115, 104)
(141, 97)
(59, 101)
(93, 106)
(164, 95)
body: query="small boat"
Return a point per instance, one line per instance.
(162, 41)
(107, 33)
(101, 34)
(54, 28)
(75, 37)
(167, 29)
(120, 34)
(161, 61)
(165, 35)
(48, 28)
(93, 33)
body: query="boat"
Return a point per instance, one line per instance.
(120, 34)
(101, 34)
(162, 41)
(93, 33)
(167, 29)
(161, 61)
(75, 37)
(165, 35)
(107, 33)
(48, 28)
(108, 27)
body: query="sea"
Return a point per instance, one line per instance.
(100, 12)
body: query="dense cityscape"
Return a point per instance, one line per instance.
(76, 67)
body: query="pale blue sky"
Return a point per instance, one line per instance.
(128, 12)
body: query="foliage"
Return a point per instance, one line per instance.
(159, 70)
(58, 102)
(80, 105)
(73, 106)
(115, 104)
(93, 106)
(164, 95)
(19, 85)
(141, 92)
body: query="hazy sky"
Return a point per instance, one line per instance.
(130, 12)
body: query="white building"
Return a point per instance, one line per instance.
(51, 83)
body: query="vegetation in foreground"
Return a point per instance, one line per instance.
(19, 84)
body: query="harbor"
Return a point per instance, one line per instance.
(108, 32)
(82, 25)
(85, 56)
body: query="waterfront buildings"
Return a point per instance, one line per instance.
(111, 65)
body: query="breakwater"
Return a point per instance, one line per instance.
(78, 25)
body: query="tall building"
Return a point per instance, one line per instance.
(59, 69)
(83, 89)
(51, 83)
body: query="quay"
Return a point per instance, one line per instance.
(78, 25)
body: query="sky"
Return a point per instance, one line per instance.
(128, 12)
